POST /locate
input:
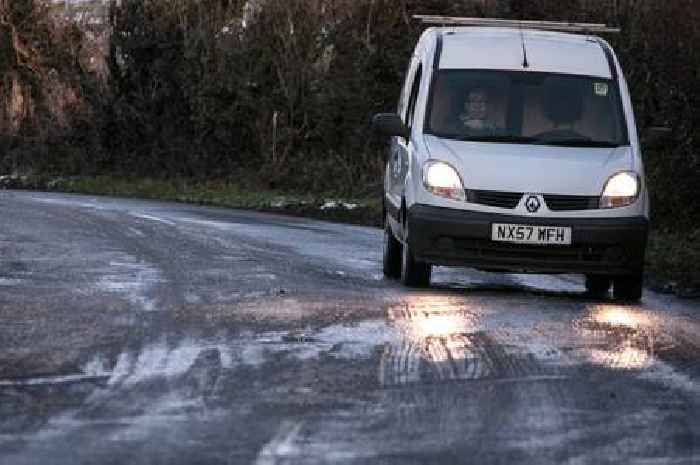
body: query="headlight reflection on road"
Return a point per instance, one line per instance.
(423, 325)
(618, 316)
(437, 341)
(621, 338)
(625, 358)
(421, 317)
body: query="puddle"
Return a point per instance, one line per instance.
(619, 338)
(425, 339)
(430, 339)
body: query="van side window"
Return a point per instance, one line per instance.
(403, 98)
(414, 96)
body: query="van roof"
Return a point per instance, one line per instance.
(502, 48)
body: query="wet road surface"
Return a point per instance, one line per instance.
(154, 333)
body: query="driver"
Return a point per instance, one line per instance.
(474, 118)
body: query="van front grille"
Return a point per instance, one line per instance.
(511, 200)
(494, 198)
(571, 202)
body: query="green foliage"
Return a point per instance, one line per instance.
(663, 65)
(47, 119)
(672, 259)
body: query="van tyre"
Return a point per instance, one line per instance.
(598, 285)
(391, 253)
(628, 288)
(413, 273)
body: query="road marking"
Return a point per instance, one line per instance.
(153, 218)
(49, 380)
(282, 445)
(137, 232)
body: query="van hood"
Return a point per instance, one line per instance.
(531, 168)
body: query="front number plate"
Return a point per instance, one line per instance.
(531, 234)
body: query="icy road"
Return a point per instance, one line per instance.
(136, 332)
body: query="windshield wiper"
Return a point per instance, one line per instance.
(578, 142)
(504, 139)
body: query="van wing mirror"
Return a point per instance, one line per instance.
(389, 124)
(656, 136)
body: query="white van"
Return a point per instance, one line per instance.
(515, 149)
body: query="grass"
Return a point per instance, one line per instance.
(672, 261)
(332, 206)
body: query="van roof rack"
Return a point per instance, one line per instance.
(540, 25)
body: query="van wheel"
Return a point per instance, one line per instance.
(598, 285)
(413, 273)
(628, 287)
(391, 253)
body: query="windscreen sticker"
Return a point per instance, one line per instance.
(601, 89)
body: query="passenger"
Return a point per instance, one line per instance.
(475, 115)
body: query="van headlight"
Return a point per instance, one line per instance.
(442, 179)
(622, 189)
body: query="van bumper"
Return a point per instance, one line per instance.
(609, 246)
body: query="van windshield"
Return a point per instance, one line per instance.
(526, 107)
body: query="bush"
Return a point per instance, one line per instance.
(284, 89)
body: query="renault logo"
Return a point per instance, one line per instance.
(532, 204)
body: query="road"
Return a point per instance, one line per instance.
(136, 332)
